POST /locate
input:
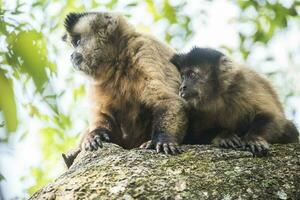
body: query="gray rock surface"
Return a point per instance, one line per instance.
(201, 172)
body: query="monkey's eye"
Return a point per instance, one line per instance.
(75, 40)
(192, 75)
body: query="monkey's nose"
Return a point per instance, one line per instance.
(76, 58)
(182, 88)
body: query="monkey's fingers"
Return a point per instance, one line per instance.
(174, 148)
(87, 146)
(237, 141)
(98, 140)
(105, 137)
(230, 144)
(158, 147)
(225, 143)
(166, 148)
(170, 148)
(146, 145)
(258, 148)
(92, 142)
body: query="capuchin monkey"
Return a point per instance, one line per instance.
(133, 85)
(230, 105)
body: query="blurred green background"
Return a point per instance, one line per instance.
(43, 101)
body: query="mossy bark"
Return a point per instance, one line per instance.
(201, 172)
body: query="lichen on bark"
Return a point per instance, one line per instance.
(200, 172)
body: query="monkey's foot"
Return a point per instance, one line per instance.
(93, 139)
(231, 141)
(257, 145)
(162, 143)
(162, 147)
(70, 157)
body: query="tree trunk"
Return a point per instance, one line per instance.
(201, 172)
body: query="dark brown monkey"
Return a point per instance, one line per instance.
(133, 85)
(230, 105)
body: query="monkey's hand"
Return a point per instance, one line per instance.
(93, 139)
(256, 145)
(162, 143)
(228, 141)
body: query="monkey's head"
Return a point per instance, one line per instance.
(93, 37)
(202, 70)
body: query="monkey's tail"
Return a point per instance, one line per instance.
(291, 133)
(70, 157)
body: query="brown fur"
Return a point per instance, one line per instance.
(133, 88)
(240, 108)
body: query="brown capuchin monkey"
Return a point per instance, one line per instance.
(133, 85)
(230, 105)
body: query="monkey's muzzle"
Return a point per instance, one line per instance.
(76, 59)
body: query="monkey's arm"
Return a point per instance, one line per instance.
(99, 130)
(101, 121)
(169, 117)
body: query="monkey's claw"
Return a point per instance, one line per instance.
(162, 147)
(232, 141)
(94, 139)
(258, 147)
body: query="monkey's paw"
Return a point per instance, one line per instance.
(257, 145)
(162, 147)
(232, 141)
(162, 143)
(93, 139)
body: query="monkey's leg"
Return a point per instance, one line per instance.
(262, 130)
(228, 140)
(99, 130)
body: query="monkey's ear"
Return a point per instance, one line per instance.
(178, 60)
(225, 61)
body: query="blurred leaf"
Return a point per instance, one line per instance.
(7, 102)
(33, 111)
(132, 4)
(169, 12)
(40, 177)
(78, 92)
(31, 48)
(1, 177)
(153, 10)
(111, 4)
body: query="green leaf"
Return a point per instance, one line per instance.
(31, 48)
(1, 177)
(169, 12)
(153, 10)
(7, 102)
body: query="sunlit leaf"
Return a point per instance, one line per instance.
(31, 48)
(40, 178)
(169, 12)
(1, 177)
(78, 92)
(153, 10)
(7, 102)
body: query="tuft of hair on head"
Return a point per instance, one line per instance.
(197, 56)
(71, 19)
(178, 60)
